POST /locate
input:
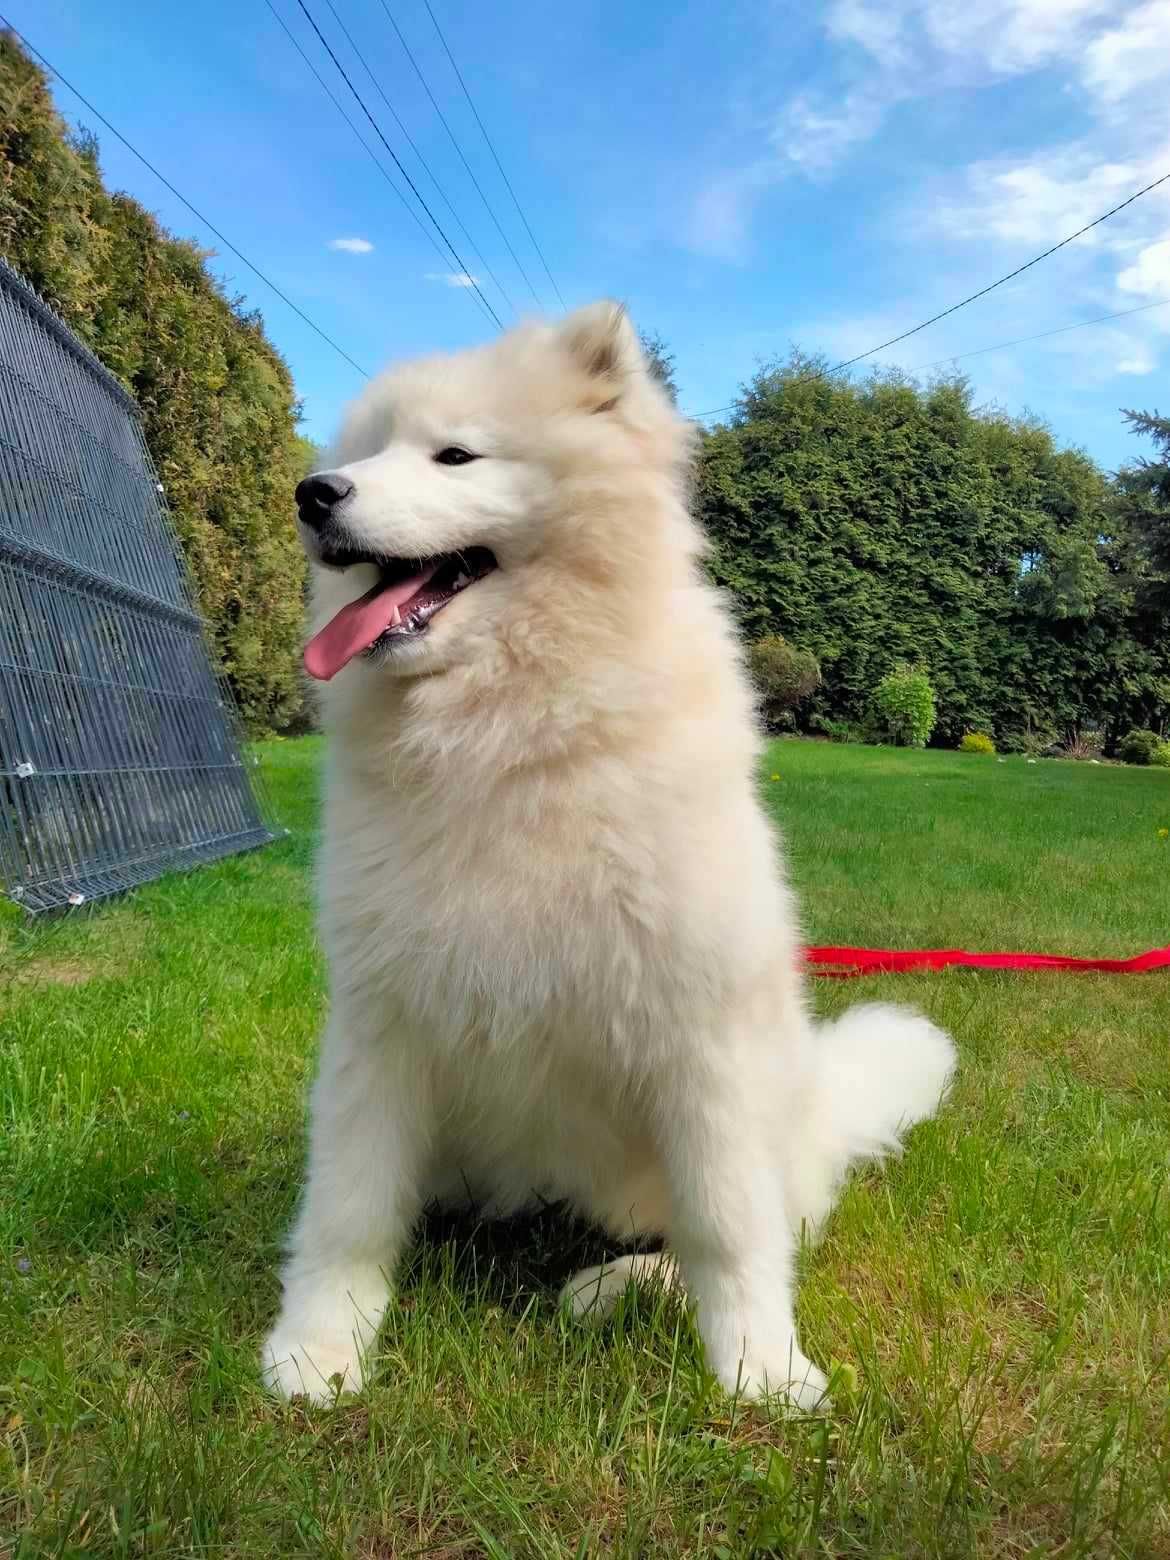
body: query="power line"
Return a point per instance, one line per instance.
(195, 212)
(414, 148)
(982, 293)
(369, 151)
(1011, 275)
(999, 346)
(1121, 314)
(461, 265)
(495, 157)
(459, 150)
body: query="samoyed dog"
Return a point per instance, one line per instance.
(563, 960)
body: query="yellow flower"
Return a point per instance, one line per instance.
(776, 777)
(1163, 834)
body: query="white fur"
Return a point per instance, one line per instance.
(563, 958)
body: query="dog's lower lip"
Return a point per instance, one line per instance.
(455, 573)
(406, 594)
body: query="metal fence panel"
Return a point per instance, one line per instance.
(120, 755)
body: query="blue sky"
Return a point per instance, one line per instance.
(744, 175)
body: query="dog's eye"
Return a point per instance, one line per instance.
(454, 455)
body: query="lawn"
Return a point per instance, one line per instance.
(998, 1301)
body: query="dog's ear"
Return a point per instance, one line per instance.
(603, 342)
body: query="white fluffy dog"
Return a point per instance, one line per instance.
(563, 959)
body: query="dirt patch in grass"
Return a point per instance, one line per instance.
(55, 972)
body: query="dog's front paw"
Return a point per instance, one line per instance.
(789, 1375)
(319, 1368)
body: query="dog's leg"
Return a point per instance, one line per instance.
(368, 1141)
(595, 1291)
(729, 1231)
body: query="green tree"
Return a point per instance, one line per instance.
(309, 455)
(219, 410)
(880, 522)
(1143, 492)
(660, 361)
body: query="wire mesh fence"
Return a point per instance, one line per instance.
(120, 756)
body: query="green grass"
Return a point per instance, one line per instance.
(999, 1298)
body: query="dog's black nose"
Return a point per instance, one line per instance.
(317, 496)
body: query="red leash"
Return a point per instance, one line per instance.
(845, 963)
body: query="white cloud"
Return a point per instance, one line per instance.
(1010, 37)
(1041, 200)
(1087, 359)
(1131, 56)
(955, 42)
(452, 278)
(1003, 213)
(887, 53)
(1093, 357)
(811, 135)
(1109, 60)
(352, 246)
(1032, 201)
(878, 29)
(1149, 275)
(814, 133)
(917, 48)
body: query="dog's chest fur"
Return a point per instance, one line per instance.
(576, 907)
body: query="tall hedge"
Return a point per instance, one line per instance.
(881, 522)
(218, 404)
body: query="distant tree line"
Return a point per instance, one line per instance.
(879, 523)
(219, 408)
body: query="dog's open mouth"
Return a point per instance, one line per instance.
(397, 610)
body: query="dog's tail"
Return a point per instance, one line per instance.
(874, 1072)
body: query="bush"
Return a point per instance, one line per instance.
(904, 706)
(1162, 756)
(1034, 742)
(1083, 745)
(783, 675)
(1139, 747)
(976, 742)
(837, 730)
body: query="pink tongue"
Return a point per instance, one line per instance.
(356, 626)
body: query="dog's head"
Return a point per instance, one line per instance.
(466, 486)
